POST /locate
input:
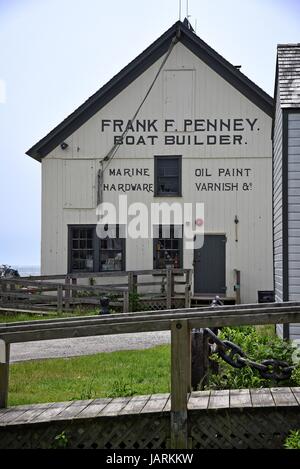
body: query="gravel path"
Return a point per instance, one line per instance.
(86, 346)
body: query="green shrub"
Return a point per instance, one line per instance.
(257, 346)
(293, 440)
(296, 376)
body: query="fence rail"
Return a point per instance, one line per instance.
(67, 292)
(180, 322)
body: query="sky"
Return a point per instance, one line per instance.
(54, 54)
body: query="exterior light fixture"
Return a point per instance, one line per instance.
(64, 145)
(236, 221)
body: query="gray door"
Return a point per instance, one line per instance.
(209, 265)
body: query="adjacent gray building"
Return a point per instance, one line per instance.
(286, 181)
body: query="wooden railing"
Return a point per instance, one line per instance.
(180, 322)
(66, 290)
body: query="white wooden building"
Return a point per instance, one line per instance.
(199, 131)
(286, 181)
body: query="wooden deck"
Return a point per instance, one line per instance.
(245, 418)
(200, 400)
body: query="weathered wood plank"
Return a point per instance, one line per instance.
(155, 403)
(198, 400)
(180, 381)
(30, 414)
(219, 399)
(167, 407)
(283, 397)
(135, 405)
(10, 416)
(239, 398)
(52, 412)
(296, 392)
(4, 373)
(261, 398)
(94, 408)
(72, 410)
(115, 406)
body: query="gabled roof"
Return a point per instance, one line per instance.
(288, 75)
(184, 34)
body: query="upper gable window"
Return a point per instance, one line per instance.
(167, 170)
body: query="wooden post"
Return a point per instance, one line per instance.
(74, 282)
(59, 298)
(200, 360)
(4, 290)
(125, 302)
(67, 293)
(187, 292)
(180, 382)
(237, 287)
(130, 291)
(169, 288)
(4, 373)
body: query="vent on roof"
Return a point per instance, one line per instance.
(238, 67)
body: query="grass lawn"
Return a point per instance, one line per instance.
(124, 373)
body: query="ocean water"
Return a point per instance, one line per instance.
(26, 270)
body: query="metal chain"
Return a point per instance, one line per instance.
(234, 356)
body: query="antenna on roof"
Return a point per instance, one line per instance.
(179, 10)
(187, 9)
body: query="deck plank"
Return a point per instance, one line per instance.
(114, 407)
(283, 397)
(156, 403)
(94, 408)
(262, 398)
(218, 399)
(31, 414)
(198, 400)
(52, 412)
(296, 392)
(10, 416)
(167, 407)
(239, 398)
(135, 405)
(73, 410)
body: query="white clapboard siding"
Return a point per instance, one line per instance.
(187, 88)
(277, 202)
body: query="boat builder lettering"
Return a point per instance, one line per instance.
(212, 131)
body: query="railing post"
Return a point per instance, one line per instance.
(67, 293)
(4, 290)
(180, 382)
(237, 286)
(200, 359)
(74, 282)
(187, 291)
(169, 288)
(125, 302)
(59, 298)
(4, 373)
(132, 289)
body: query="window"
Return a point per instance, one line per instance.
(82, 250)
(167, 170)
(89, 253)
(168, 247)
(112, 253)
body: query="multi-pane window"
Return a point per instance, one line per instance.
(82, 250)
(89, 253)
(167, 171)
(168, 247)
(112, 253)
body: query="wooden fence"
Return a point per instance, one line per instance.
(180, 322)
(63, 292)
